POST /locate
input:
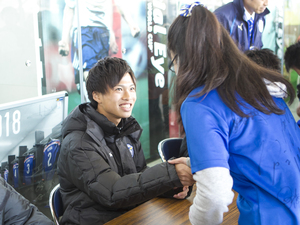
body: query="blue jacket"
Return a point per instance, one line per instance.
(231, 17)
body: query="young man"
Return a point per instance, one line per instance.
(292, 61)
(245, 22)
(292, 57)
(101, 166)
(265, 57)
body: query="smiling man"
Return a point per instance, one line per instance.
(245, 21)
(102, 169)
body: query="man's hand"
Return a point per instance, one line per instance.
(183, 194)
(183, 160)
(183, 171)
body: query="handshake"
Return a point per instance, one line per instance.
(182, 166)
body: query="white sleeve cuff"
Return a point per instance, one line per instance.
(213, 195)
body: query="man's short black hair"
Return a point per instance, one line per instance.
(292, 57)
(106, 73)
(265, 58)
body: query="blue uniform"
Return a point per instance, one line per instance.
(262, 153)
(51, 151)
(29, 165)
(95, 46)
(95, 24)
(16, 175)
(231, 16)
(5, 174)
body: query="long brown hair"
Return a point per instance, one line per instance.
(207, 56)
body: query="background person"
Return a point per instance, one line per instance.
(292, 61)
(265, 57)
(292, 58)
(245, 21)
(101, 167)
(238, 135)
(15, 209)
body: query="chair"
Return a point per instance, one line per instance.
(55, 203)
(169, 147)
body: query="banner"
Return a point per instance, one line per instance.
(157, 69)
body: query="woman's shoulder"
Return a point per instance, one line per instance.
(195, 96)
(209, 102)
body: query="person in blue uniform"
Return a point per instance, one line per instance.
(238, 135)
(245, 21)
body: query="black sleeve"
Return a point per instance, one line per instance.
(140, 161)
(88, 171)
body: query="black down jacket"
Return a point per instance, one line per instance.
(102, 168)
(17, 210)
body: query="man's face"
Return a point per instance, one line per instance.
(117, 102)
(257, 6)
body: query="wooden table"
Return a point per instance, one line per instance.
(167, 211)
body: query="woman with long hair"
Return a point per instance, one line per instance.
(238, 135)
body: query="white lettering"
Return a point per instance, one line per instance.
(158, 17)
(149, 17)
(7, 123)
(157, 63)
(16, 126)
(159, 80)
(150, 42)
(159, 29)
(160, 49)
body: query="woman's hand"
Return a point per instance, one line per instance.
(183, 194)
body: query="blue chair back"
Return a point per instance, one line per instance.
(169, 147)
(55, 203)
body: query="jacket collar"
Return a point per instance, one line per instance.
(128, 126)
(240, 7)
(106, 125)
(86, 119)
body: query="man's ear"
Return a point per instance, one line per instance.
(97, 97)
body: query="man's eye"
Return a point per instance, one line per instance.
(118, 89)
